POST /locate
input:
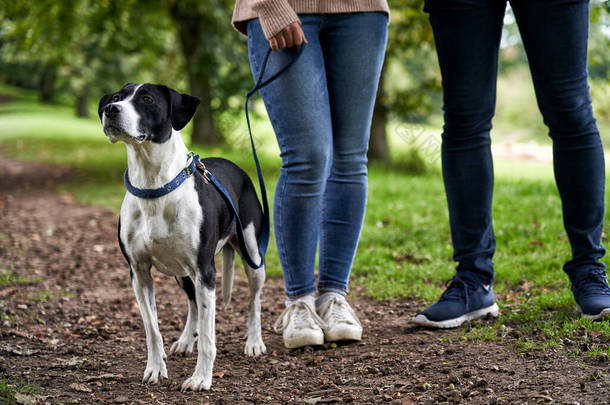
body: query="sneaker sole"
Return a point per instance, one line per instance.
(602, 315)
(302, 341)
(492, 310)
(343, 334)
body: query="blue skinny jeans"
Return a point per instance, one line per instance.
(554, 32)
(321, 110)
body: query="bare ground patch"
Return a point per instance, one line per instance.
(69, 325)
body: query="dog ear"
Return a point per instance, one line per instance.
(182, 108)
(103, 102)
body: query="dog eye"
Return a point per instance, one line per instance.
(116, 98)
(147, 100)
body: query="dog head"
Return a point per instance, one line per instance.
(145, 112)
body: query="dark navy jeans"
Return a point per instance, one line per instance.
(321, 111)
(554, 33)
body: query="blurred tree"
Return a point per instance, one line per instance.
(30, 35)
(513, 54)
(90, 47)
(410, 79)
(93, 45)
(216, 60)
(599, 40)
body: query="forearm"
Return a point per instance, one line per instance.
(274, 15)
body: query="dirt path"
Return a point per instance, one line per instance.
(76, 333)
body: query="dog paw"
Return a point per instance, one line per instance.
(197, 383)
(183, 347)
(155, 372)
(255, 347)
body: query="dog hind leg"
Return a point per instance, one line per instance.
(143, 287)
(228, 262)
(254, 339)
(185, 343)
(256, 278)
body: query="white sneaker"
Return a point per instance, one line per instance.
(300, 324)
(341, 321)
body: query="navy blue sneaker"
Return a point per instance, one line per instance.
(465, 299)
(592, 294)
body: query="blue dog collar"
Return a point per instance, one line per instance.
(168, 187)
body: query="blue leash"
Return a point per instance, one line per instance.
(195, 163)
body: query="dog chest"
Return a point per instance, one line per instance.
(164, 232)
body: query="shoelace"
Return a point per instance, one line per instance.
(304, 315)
(458, 288)
(336, 308)
(593, 283)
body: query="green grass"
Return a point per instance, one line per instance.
(405, 250)
(46, 295)
(12, 392)
(7, 278)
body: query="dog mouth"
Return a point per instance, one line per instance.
(111, 130)
(115, 133)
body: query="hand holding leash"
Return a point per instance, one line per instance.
(289, 36)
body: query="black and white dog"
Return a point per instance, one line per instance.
(180, 233)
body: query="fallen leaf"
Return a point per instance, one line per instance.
(80, 387)
(106, 376)
(6, 292)
(22, 334)
(66, 198)
(17, 350)
(24, 399)
(73, 362)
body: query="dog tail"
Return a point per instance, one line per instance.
(228, 261)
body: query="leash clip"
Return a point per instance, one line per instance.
(205, 171)
(189, 161)
(199, 165)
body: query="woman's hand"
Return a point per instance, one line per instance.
(291, 35)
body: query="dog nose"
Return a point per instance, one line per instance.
(111, 110)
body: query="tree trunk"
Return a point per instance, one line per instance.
(378, 143)
(204, 131)
(82, 104)
(46, 84)
(199, 66)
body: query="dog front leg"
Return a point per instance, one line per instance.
(254, 338)
(143, 287)
(206, 342)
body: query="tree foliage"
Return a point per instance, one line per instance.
(85, 48)
(94, 46)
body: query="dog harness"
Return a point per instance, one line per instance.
(193, 164)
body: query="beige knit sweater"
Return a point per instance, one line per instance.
(274, 15)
